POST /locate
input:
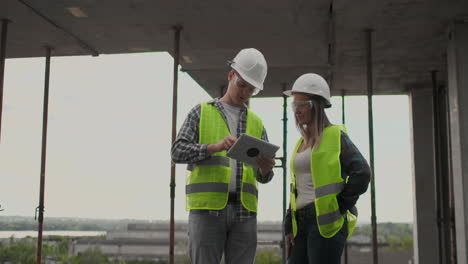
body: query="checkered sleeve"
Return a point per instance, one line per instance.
(186, 148)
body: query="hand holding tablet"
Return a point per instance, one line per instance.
(247, 148)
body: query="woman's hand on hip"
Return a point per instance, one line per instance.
(289, 243)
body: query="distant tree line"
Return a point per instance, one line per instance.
(31, 225)
(23, 251)
(8, 223)
(396, 235)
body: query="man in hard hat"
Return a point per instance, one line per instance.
(221, 193)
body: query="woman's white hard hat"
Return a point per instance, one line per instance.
(311, 84)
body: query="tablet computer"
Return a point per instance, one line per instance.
(247, 148)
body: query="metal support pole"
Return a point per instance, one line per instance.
(40, 208)
(177, 30)
(443, 181)
(343, 113)
(438, 168)
(284, 163)
(2, 66)
(343, 121)
(331, 45)
(371, 143)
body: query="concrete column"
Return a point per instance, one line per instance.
(425, 218)
(457, 56)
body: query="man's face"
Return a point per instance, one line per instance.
(240, 91)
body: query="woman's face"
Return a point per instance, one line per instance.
(302, 106)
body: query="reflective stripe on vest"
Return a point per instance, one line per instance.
(208, 183)
(215, 160)
(206, 187)
(249, 188)
(328, 183)
(329, 189)
(217, 187)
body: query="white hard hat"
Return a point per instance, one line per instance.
(312, 84)
(251, 66)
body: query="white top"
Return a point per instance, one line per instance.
(304, 184)
(232, 114)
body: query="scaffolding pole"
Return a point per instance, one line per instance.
(40, 208)
(284, 165)
(443, 172)
(177, 30)
(343, 121)
(371, 143)
(2, 65)
(438, 166)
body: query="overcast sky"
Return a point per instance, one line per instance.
(109, 138)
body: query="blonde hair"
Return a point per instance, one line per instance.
(319, 121)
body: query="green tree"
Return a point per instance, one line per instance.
(59, 250)
(267, 257)
(21, 252)
(91, 256)
(404, 242)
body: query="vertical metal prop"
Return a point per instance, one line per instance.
(443, 171)
(2, 66)
(40, 208)
(371, 143)
(343, 113)
(438, 168)
(177, 30)
(331, 45)
(284, 162)
(343, 121)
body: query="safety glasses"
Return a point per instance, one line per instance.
(243, 84)
(301, 105)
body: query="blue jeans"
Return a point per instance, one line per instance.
(211, 236)
(310, 247)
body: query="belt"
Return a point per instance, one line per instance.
(308, 209)
(232, 198)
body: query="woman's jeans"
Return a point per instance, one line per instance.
(310, 247)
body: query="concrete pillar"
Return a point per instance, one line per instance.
(425, 217)
(457, 56)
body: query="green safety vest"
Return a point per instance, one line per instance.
(207, 185)
(328, 183)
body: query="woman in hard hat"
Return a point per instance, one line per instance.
(328, 173)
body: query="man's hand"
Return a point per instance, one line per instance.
(289, 241)
(265, 164)
(224, 144)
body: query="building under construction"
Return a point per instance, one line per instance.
(413, 47)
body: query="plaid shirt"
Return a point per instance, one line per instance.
(187, 149)
(353, 165)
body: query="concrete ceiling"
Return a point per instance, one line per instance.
(409, 36)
